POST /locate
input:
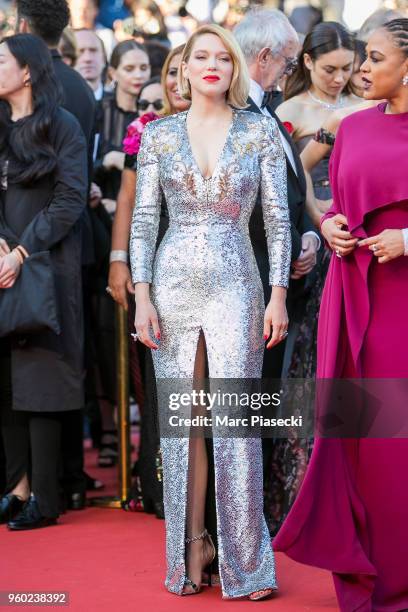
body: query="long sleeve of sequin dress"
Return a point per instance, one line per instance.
(204, 279)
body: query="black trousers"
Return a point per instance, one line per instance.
(72, 451)
(32, 443)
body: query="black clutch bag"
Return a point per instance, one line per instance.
(30, 305)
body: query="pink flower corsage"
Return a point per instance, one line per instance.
(133, 138)
(289, 127)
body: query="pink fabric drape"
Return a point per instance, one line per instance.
(350, 514)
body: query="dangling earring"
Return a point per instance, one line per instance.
(405, 80)
(27, 83)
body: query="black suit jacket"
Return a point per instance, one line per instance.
(300, 223)
(78, 97)
(299, 219)
(79, 100)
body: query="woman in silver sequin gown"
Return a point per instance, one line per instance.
(204, 283)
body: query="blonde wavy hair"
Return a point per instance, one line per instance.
(238, 91)
(167, 107)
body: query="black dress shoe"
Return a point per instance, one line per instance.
(76, 501)
(30, 517)
(10, 506)
(93, 484)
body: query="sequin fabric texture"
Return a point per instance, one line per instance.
(204, 277)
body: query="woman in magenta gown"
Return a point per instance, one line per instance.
(351, 515)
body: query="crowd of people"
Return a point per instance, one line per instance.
(234, 188)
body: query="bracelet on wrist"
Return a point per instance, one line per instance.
(405, 237)
(118, 256)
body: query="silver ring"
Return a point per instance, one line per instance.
(135, 337)
(374, 248)
(285, 333)
(337, 251)
(108, 290)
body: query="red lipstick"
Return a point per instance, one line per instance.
(211, 78)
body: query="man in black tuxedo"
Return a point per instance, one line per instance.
(270, 46)
(47, 19)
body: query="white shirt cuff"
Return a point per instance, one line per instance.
(312, 233)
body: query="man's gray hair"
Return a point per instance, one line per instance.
(262, 28)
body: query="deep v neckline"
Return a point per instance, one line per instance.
(220, 156)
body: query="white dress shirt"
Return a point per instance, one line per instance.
(98, 92)
(256, 93)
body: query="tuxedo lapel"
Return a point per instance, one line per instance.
(299, 168)
(253, 107)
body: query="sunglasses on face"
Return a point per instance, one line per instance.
(143, 105)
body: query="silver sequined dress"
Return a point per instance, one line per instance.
(204, 277)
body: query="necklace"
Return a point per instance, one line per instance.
(327, 105)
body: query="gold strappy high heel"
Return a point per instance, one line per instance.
(188, 582)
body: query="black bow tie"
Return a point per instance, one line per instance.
(265, 99)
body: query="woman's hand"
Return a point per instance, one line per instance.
(114, 159)
(146, 316)
(120, 282)
(9, 270)
(341, 241)
(4, 248)
(386, 246)
(95, 195)
(276, 317)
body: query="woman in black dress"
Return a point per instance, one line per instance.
(43, 160)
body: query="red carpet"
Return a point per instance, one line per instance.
(111, 560)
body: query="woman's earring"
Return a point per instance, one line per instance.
(405, 80)
(27, 83)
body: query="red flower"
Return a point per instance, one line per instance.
(131, 131)
(133, 138)
(148, 117)
(289, 127)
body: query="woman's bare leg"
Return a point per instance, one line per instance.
(197, 552)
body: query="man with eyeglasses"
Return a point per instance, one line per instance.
(270, 46)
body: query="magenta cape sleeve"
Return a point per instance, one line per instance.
(367, 172)
(368, 164)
